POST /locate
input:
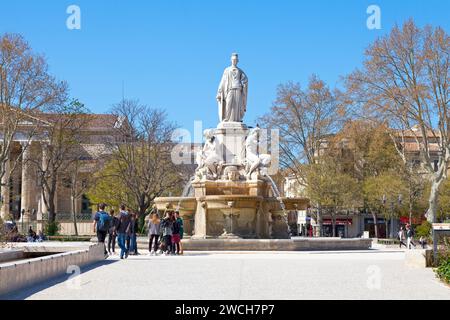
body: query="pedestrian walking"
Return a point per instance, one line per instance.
(153, 233)
(401, 237)
(409, 237)
(112, 233)
(102, 222)
(123, 229)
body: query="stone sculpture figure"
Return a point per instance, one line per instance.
(254, 160)
(232, 93)
(208, 160)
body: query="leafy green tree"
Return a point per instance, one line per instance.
(444, 201)
(388, 186)
(330, 189)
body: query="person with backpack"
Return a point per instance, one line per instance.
(112, 235)
(102, 223)
(167, 231)
(123, 229)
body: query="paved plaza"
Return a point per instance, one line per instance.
(374, 274)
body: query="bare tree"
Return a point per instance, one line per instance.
(142, 153)
(304, 118)
(25, 88)
(405, 82)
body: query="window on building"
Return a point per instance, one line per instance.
(85, 204)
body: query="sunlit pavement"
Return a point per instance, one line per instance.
(374, 274)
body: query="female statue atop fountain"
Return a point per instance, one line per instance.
(232, 93)
(208, 157)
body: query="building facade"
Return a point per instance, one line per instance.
(22, 192)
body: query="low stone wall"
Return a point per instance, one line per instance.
(67, 228)
(8, 255)
(419, 258)
(84, 228)
(295, 244)
(311, 244)
(20, 274)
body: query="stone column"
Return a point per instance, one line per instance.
(5, 191)
(26, 191)
(200, 221)
(43, 208)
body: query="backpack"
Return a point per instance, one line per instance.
(104, 222)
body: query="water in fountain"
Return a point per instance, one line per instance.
(277, 194)
(186, 191)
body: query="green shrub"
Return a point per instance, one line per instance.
(443, 268)
(443, 271)
(424, 230)
(69, 238)
(52, 228)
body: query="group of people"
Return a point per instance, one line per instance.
(164, 234)
(33, 237)
(408, 234)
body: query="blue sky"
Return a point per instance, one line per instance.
(171, 54)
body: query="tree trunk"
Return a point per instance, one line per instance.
(410, 209)
(51, 207)
(74, 214)
(333, 225)
(433, 200)
(375, 224)
(51, 201)
(319, 223)
(142, 219)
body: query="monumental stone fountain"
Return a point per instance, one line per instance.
(233, 194)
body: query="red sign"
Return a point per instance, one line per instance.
(339, 222)
(415, 220)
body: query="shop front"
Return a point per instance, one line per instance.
(342, 227)
(369, 225)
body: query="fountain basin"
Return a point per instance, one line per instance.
(246, 245)
(246, 216)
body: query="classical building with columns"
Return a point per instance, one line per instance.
(21, 196)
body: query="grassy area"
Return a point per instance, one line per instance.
(69, 238)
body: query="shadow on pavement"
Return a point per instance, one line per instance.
(24, 293)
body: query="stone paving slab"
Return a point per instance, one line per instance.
(371, 274)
